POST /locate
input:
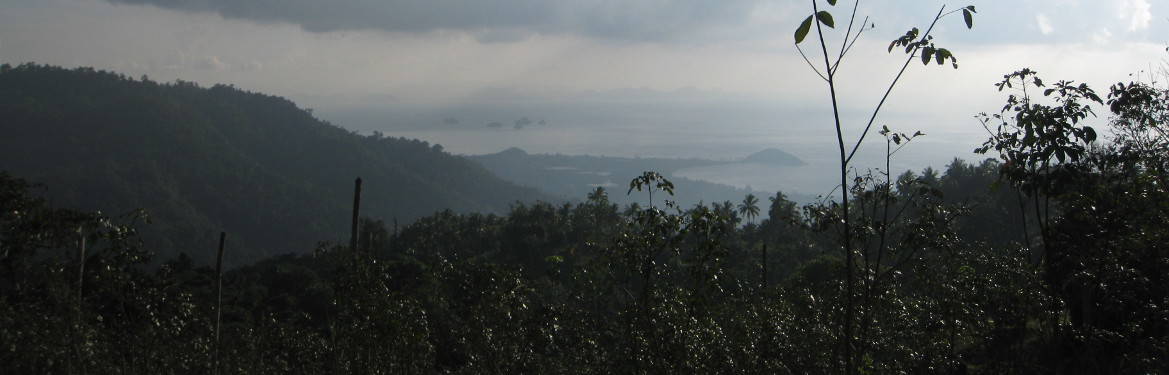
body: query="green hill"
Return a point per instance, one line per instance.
(201, 160)
(774, 156)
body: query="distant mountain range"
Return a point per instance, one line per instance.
(574, 176)
(201, 160)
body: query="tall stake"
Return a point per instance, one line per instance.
(80, 297)
(356, 215)
(218, 295)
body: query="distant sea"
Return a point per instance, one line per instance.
(712, 134)
(819, 176)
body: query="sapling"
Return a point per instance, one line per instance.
(916, 45)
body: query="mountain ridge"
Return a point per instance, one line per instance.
(201, 160)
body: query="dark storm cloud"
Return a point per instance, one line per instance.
(610, 19)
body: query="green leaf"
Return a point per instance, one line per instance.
(825, 18)
(969, 18)
(832, 2)
(926, 53)
(802, 31)
(971, 8)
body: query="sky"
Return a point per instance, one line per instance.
(365, 63)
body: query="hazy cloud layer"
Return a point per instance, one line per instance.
(526, 53)
(643, 67)
(501, 20)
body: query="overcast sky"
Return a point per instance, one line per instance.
(367, 53)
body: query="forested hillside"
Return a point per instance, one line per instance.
(596, 288)
(202, 160)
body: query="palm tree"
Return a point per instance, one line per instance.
(749, 208)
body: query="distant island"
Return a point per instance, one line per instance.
(519, 124)
(775, 157)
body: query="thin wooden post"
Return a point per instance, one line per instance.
(218, 297)
(356, 216)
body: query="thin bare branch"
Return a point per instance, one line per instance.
(848, 32)
(898, 149)
(983, 123)
(810, 65)
(885, 97)
(849, 44)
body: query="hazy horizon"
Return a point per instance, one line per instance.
(672, 127)
(672, 79)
